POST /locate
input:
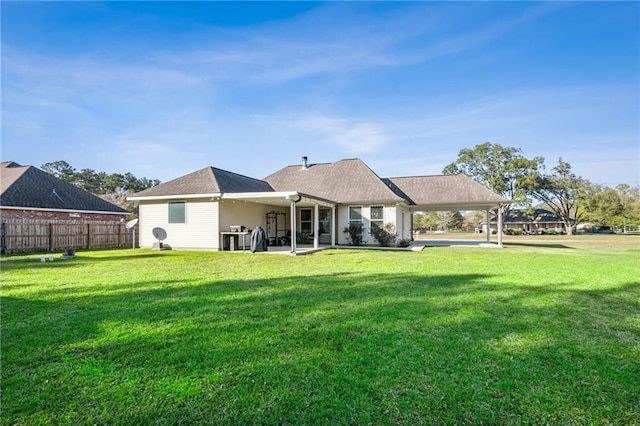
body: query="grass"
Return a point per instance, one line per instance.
(540, 332)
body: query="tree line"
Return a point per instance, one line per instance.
(114, 187)
(530, 183)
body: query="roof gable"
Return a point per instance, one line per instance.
(443, 190)
(30, 187)
(345, 181)
(209, 180)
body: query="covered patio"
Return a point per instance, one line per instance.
(292, 200)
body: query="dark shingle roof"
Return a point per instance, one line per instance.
(443, 190)
(538, 216)
(207, 181)
(345, 181)
(30, 187)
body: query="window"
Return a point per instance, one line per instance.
(306, 226)
(355, 214)
(177, 212)
(377, 216)
(355, 228)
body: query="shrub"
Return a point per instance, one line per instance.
(355, 231)
(385, 236)
(404, 242)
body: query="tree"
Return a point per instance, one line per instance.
(502, 169)
(561, 191)
(89, 180)
(449, 220)
(114, 183)
(619, 207)
(602, 206)
(60, 169)
(630, 199)
(112, 187)
(427, 221)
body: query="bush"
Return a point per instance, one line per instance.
(355, 231)
(404, 242)
(385, 236)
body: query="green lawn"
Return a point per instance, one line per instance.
(540, 332)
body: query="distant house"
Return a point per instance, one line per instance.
(305, 203)
(538, 221)
(27, 192)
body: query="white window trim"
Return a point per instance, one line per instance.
(185, 212)
(310, 221)
(371, 220)
(349, 220)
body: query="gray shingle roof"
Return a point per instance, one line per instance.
(443, 190)
(348, 181)
(30, 187)
(345, 181)
(538, 216)
(207, 181)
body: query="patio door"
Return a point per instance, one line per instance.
(325, 229)
(306, 223)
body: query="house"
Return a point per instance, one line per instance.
(535, 222)
(304, 203)
(40, 212)
(27, 192)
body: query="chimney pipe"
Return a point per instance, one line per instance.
(304, 163)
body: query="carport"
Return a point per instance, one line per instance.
(469, 207)
(450, 193)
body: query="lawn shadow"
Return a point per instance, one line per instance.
(319, 348)
(22, 261)
(538, 245)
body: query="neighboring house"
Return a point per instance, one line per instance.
(532, 223)
(313, 202)
(27, 192)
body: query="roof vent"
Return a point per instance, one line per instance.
(304, 163)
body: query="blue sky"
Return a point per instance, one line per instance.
(163, 89)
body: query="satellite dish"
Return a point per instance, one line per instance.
(132, 223)
(160, 234)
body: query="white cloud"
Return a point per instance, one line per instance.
(353, 137)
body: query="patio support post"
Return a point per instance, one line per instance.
(499, 226)
(488, 225)
(316, 226)
(293, 228)
(333, 226)
(411, 231)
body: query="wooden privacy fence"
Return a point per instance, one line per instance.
(40, 235)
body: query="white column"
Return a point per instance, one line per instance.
(411, 230)
(488, 225)
(316, 226)
(500, 226)
(333, 226)
(293, 228)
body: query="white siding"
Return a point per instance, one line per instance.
(392, 214)
(248, 214)
(199, 232)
